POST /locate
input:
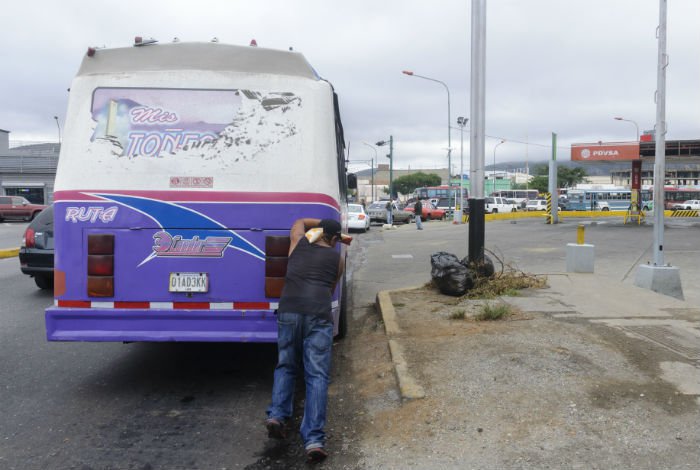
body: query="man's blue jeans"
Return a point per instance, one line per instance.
(307, 340)
(419, 224)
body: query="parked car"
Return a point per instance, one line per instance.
(429, 212)
(494, 205)
(357, 218)
(536, 205)
(448, 204)
(687, 205)
(17, 207)
(377, 213)
(518, 206)
(36, 251)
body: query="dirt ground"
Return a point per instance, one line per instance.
(528, 391)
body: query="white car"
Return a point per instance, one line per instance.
(494, 205)
(687, 205)
(536, 205)
(357, 218)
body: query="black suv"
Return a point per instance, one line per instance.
(36, 252)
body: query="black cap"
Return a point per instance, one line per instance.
(330, 227)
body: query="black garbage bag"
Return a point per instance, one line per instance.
(449, 274)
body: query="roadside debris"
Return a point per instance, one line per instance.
(456, 277)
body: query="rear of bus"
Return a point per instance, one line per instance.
(182, 169)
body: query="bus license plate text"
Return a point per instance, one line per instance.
(188, 282)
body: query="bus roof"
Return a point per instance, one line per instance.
(195, 56)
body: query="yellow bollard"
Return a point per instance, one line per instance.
(580, 234)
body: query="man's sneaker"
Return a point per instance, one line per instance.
(316, 454)
(275, 429)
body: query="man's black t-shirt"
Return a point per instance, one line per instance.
(311, 272)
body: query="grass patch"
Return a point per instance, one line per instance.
(494, 312)
(399, 305)
(458, 314)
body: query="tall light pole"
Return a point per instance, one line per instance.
(461, 122)
(636, 126)
(373, 160)
(59, 129)
(477, 135)
(494, 163)
(449, 121)
(391, 163)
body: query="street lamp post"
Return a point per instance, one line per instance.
(461, 122)
(636, 126)
(59, 129)
(449, 120)
(374, 198)
(494, 163)
(391, 163)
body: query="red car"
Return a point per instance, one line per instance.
(16, 207)
(430, 212)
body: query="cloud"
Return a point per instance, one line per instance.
(552, 66)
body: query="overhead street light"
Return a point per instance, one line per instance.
(636, 126)
(59, 129)
(373, 160)
(461, 122)
(449, 121)
(390, 156)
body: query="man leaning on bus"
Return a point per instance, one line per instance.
(305, 332)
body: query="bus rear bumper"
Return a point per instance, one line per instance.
(94, 324)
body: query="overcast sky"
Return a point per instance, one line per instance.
(564, 66)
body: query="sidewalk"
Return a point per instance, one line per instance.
(596, 373)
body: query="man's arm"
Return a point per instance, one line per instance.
(298, 230)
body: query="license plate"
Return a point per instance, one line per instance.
(188, 282)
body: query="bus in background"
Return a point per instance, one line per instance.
(674, 195)
(520, 196)
(443, 197)
(182, 169)
(604, 199)
(438, 192)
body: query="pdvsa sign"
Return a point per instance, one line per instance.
(605, 152)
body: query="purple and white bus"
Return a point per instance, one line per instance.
(182, 169)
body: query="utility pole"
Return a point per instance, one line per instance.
(391, 163)
(477, 132)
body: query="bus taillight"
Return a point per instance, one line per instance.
(100, 265)
(276, 255)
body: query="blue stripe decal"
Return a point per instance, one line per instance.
(168, 215)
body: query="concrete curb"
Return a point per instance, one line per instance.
(9, 252)
(409, 388)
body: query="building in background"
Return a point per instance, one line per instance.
(28, 170)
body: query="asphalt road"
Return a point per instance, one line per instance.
(113, 405)
(187, 406)
(136, 406)
(11, 234)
